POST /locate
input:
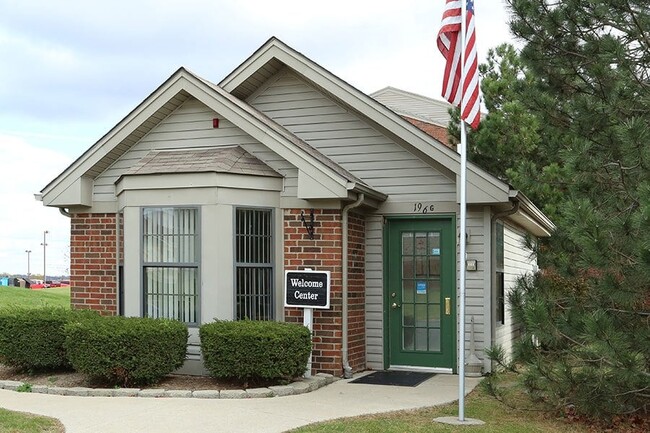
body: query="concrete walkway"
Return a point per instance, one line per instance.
(276, 414)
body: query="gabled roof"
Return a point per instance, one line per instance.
(321, 177)
(71, 186)
(274, 55)
(414, 106)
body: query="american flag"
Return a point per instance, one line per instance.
(460, 90)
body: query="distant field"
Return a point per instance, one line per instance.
(16, 296)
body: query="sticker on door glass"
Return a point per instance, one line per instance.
(435, 251)
(421, 287)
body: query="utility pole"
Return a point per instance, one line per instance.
(44, 256)
(28, 253)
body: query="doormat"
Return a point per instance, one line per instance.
(395, 378)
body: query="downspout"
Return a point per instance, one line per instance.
(65, 213)
(347, 370)
(118, 295)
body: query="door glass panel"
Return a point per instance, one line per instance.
(407, 267)
(408, 338)
(421, 288)
(407, 291)
(420, 243)
(420, 315)
(421, 339)
(434, 340)
(421, 303)
(407, 243)
(434, 243)
(407, 315)
(434, 315)
(434, 291)
(434, 265)
(420, 266)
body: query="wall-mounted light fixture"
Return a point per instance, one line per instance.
(308, 225)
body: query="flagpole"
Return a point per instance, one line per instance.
(463, 231)
(462, 255)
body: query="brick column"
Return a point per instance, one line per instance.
(324, 253)
(93, 279)
(356, 292)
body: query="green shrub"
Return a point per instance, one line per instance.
(32, 339)
(250, 350)
(126, 350)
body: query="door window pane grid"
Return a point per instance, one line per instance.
(421, 291)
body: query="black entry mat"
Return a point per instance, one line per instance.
(396, 378)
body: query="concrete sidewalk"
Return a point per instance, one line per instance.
(276, 414)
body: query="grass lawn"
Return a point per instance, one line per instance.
(21, 297)
(498, 418)
(15, 422)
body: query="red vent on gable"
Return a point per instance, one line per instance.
(215, 123)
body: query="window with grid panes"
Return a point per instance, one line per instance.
(254, 264)
(500, 290)
(170, 257)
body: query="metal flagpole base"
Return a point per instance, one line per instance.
(452, 420)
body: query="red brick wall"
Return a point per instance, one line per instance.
(93, 282)
(356, 292)
(324, 252)
(438, 132)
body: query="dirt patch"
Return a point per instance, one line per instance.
(71, 379)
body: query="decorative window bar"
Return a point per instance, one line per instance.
(254, 264)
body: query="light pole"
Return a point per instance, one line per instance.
(44, 256)
(28, 253)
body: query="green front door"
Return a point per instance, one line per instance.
(420, 294)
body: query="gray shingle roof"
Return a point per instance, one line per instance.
(234, 160)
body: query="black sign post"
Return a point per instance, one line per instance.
(307, 289)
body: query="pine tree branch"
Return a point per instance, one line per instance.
(642, 31)
(636, 313)
(635, 391)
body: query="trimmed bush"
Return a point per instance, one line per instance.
(250, 350)
(32, 339)
(126, 351)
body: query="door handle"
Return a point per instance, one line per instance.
(395, 305)
(447, 306)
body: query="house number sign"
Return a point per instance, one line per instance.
(307, 289)
(422, 208)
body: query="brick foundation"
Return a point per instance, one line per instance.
(93, 281)
(324, 253)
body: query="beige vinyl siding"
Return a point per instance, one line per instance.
(344, 137)
(517, 261)
(374, 292)
(190, 126)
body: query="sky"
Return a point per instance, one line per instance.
(72, 69)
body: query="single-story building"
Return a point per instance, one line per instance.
(194, 205)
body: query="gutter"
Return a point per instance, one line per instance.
(347, 370)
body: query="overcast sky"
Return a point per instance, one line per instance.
(72, 69)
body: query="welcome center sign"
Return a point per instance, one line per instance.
(307, 289)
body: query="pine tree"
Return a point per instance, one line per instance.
(586, 69)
